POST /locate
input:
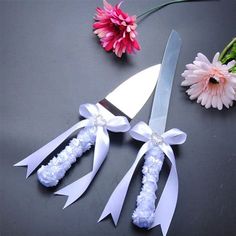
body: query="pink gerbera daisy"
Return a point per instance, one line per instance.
(211, 83)
(116, 29)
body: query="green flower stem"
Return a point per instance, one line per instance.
(161, 6)
(227, 48)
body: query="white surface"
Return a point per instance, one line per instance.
(131, 95)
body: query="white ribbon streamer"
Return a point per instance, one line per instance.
(167, 203)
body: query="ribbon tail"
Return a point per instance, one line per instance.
(116, 200)
(75, 190)
(33, 160)
(101, 148)
(168, 200)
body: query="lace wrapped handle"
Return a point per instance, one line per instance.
(50, 174)
(144, 213)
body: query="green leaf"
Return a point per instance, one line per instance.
(227, 58)
(233, 69)
(230, 55)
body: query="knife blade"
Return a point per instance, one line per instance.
(127, 99)
(163, 89)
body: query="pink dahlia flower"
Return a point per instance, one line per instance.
(211, 83)
(116, 29)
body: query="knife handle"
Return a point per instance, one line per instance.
(144, 213)
(50, 174)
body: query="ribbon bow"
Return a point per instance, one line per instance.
(167, 203)
(93, 117)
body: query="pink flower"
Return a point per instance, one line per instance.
(116, 29)
(211, 83)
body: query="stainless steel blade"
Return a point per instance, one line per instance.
(163, 89)
(131, 95)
